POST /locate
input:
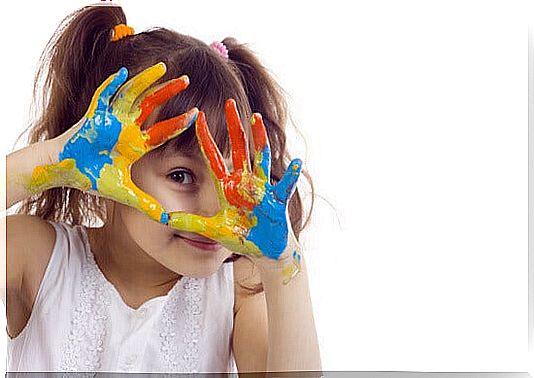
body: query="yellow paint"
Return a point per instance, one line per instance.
(90, 133)
(131, 143)
(94, 101)
(258, 157)
(136, 86)
(115, 180)
(64, 173)
(251, 189)
(291, 268)
(229, 227)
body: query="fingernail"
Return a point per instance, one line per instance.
(123, 72)
(184, 78)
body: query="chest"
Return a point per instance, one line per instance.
(87, 326)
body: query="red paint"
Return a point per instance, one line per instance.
(258, 132)
(162, 131)
(160, 96)
(229, 182)
(209, 147)
(233, 196)
(237, 137)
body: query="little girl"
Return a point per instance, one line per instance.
(149, 238)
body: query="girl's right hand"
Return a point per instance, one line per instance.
(97, 153)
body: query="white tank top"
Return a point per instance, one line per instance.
(79, 321)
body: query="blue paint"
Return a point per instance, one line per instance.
(271, 230)
(266, 161)
(84, 148)
(164, 217)
(105, 97)
(99, 133)
(286, 186)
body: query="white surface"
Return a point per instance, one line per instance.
(415, 116)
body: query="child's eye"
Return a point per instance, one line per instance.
(182, 176)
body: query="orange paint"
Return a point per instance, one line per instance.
(258, 132)
(233, 190)
(209, 148)
(237, 137)
(162, 131)
(161, 95)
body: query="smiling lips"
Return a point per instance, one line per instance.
(198, 241)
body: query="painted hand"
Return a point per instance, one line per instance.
(98, 152)
(253, 217)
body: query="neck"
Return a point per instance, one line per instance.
(130, 269)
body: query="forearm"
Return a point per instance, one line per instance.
(20, 166)
(293, 343)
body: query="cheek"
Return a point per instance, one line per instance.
(142, 174)
(157, 185)
(151, 179)
(147, 234)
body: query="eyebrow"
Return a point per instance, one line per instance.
(187, 155)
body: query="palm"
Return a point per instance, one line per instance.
(100, 150)
(253, 215)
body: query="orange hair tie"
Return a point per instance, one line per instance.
(120, 31)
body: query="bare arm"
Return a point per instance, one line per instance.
(19, 247)
(292, 341)
(20, 165)
(250, 332)
(279, 336)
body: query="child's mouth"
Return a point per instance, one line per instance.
(199, 241)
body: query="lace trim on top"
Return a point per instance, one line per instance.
(183, 355)
(90, 322)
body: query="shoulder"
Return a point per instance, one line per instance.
(247, 281)
(30, 241)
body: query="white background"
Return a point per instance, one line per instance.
(415, 117)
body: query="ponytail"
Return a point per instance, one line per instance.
(68, 74)
(71, 55)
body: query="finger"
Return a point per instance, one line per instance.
(286, 186)
(159, 95)
(116, 183)
(105, 92)
(237, 137)
(137, 85)
(161, 132)
(183, 221)
(209, 148)
(262, 150)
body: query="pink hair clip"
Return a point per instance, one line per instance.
(220, 48)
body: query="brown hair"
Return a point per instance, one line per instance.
(80, 55)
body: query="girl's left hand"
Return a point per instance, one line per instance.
(253, 218)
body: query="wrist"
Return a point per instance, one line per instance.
(50, 150)
(285, 267)
(21, 166)
(41, 177)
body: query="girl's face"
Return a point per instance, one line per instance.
(180, 183)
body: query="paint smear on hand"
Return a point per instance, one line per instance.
(100, 154)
